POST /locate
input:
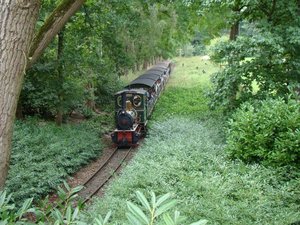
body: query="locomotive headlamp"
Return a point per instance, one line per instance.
(137, 100)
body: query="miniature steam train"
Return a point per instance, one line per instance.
(134, 104)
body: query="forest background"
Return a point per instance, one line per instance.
(260, 57)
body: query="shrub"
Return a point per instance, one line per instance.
(268, 132)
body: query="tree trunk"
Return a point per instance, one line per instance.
(59, 117)
(60, 50)
(137, 66)
(90, 102)
(234, 31)
(145, 64)
(17, 22)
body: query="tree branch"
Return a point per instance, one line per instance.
(53, 24)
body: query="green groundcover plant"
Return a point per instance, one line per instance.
(267, 132)
(44, 154)
(186, 157)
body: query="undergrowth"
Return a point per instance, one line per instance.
(43, 155)
(186, 158)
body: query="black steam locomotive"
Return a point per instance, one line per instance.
(135, 103)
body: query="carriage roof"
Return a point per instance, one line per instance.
(144, 81)
(149, 78)
(132, 91)
(158, 68)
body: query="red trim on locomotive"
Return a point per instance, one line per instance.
(127, 137)
(123, 136)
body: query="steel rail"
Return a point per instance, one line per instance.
(102, 166)
(108, 178)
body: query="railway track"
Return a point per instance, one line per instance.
(104, 173)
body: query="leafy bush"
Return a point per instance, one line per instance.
(156, 211)
(188, 50)
(267, 132)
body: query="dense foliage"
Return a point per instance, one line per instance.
(44, 155)
(261, 63)
(107, 39)
(61, 212)
(268, 131)
(103, 41)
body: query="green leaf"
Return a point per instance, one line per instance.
(4, 222)
(132, 219)
(168, 220)
(162, 199)
(200, 222)
(176, 216)
(138, 213)
(75, 213)
(76, 190)
(153, 199)
(24, 207)
(108, 215)
(165, 207)
(66, 185)
(56, 214)
(69, 213)
(61, 193)
(98, 221)
(2, 198)
(143, 200)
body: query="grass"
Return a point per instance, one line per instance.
(192, 72)
(186, 90)
(43, 154)
(184, 154)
